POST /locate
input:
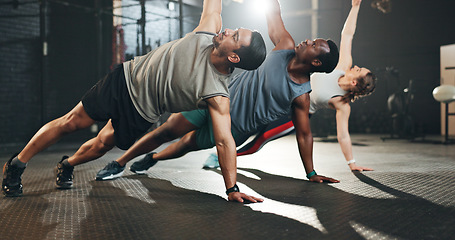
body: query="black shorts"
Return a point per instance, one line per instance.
(109, 99)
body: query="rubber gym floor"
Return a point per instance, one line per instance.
(409, 195)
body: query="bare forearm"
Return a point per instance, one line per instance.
(351, 22)
(228, 162)
(273, 14)
(277, 31)
(273, 8)
(346, 147)
(211, 7)
(305, 143)
(211, 17)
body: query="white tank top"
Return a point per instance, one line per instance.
(325, 87)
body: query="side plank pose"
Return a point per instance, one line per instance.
(135, 94)
(285, 75)
(335, 90)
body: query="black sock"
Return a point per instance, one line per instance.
(16, 162)
(65, 163)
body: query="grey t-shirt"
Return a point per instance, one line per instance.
(175, 77)
(264, 95)
(325, 87)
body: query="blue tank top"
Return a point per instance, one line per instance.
(264, 95)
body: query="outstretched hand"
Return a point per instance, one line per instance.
(243, 198)
(354, 167)
(320, 179)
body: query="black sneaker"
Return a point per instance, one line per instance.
(12, 179)
(141, 166)
(112, 171)
(64, 175)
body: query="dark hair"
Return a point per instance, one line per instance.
(365, 86)
(252, 56)
(329, 60)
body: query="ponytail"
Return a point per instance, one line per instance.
(365, 86)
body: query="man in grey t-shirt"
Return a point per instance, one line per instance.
(181, 75)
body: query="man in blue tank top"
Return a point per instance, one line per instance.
(335, 90)
(279, 87)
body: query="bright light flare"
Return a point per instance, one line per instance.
(259, 7)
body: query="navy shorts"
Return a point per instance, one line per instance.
(109, 99)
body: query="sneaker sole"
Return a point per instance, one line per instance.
(210, 167)
(139, 172)
(110, 177)
(17, 194)
(64, 186)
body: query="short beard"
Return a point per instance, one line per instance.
(215, 43)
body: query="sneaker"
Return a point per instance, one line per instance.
(64, 175)
(12, 181)
(141, 166)
(112, 171)
(211, 162)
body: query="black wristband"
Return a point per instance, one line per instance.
(235, 188)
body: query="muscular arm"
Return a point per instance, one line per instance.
(277, 32)
(225, 145)
(343, 110)
(211, 17)
(347, 34)
(301, 120)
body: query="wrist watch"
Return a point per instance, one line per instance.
(235, 188)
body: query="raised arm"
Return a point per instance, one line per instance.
(225, 146)
(301, 120)
(210, 17)
(277, 32)
(347, 34)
